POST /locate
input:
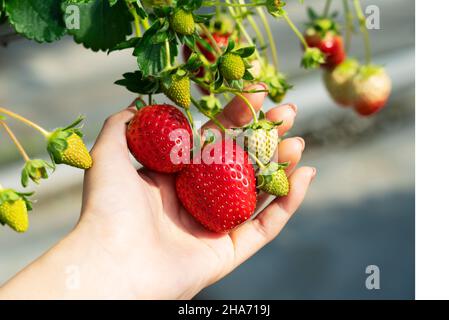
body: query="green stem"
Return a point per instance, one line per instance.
(167, 54)
(267, 27)
(214, 43)
(327, 8)
(212, 118)
(44, 132)
(258, 162)
(16, 141)
(296, 31)
(243, 30)
(349, 26)
(259, 35)
(249, 105)
(364, 29)
(136, 21)
(234, 5)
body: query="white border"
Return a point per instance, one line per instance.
(432, 145)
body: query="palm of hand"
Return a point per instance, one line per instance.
(144, 229)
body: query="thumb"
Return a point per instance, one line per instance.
(111, 142)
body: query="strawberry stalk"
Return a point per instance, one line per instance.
(274, 53)
(249, 105)
(33, 125)
(295, 30)
(16, 141)
(242, 29)
(327, 8)
(214, 43)
(212, 118)
(349, 27)
(132, 10)
(364, 30)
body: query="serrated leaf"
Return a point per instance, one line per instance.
(151, 53)
(135, 82)
(101, 27)
(41, 21)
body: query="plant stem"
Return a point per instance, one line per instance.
(249, 105)
(349, 26)
(16, 142)
(136, 21)
(167, 54)
(44, 132)
(259, 35)
(211, 39)
(364, 29)
(145, 23)
(267, 27)
(258, 162)
(296, 31)
(212, 118)
(242, 29)
(327, 8)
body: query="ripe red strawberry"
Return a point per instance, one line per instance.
(323, 34)
(220, 194)
(371, 88)
(149, 140)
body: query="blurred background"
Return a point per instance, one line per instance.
(359, 211)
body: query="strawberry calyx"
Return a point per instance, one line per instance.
(367, 71)
(57, 140)
(322, 27)
(35, 169)
(11, 195)
(275, 7)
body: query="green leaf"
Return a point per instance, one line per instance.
(101, 27)
(135, 82)
(245, 52)
(151, 51)
(40, 21)
(130, 43)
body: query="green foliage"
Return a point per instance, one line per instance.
(101, 26)
(36, 20)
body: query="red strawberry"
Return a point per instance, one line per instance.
(323, 34)
(371, 88)
(220, 195)
(149, 139)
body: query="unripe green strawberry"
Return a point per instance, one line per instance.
(339, 81)
(232, 66)
(182, 22)
(66, 146)
(14, 208)
(273, 180)
(179, 90)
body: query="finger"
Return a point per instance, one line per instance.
(112, 138)
(285, 114)
(237, 113)
(254, 234)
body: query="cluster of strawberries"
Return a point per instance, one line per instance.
(366, 88)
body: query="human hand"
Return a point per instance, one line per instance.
(135, 239)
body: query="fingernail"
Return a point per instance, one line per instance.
(294, 107)
(303, 143)
(313, 174)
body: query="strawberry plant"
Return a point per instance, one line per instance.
(224, 49)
